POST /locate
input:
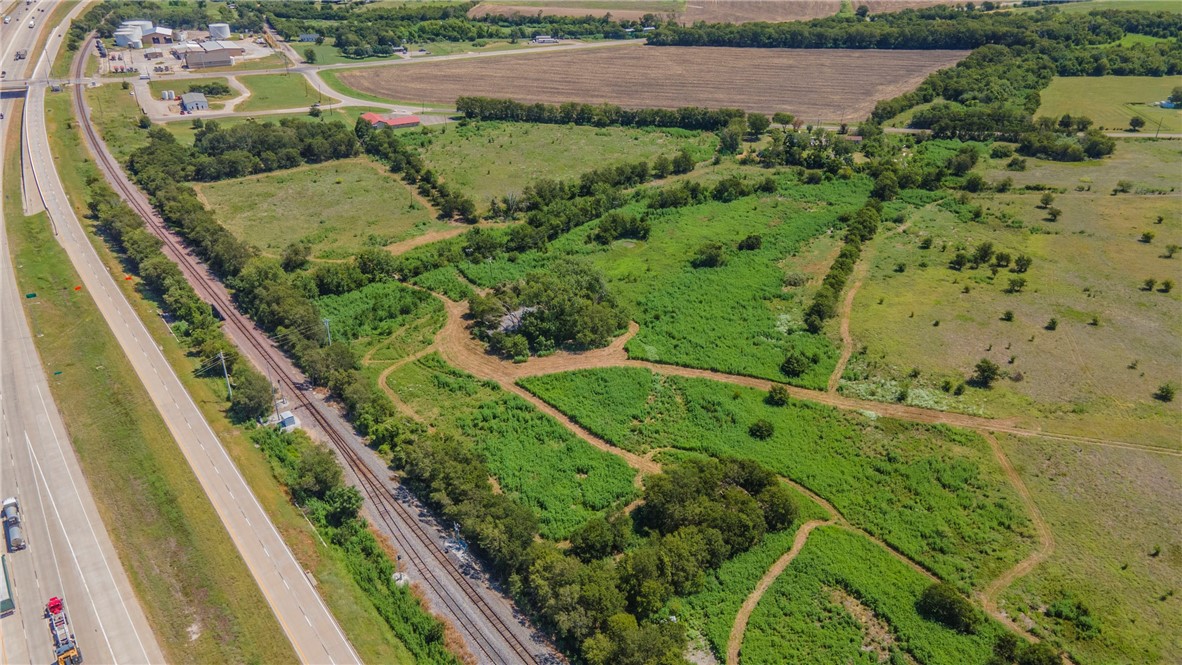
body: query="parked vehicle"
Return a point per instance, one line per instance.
(65, 648)
(12, 524)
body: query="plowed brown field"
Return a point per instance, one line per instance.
(816, 85)
(747, 11)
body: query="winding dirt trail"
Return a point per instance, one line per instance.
(1046, 542)
(735, 641)
(847, 307)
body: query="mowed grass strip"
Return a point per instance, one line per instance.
(764, 80)
(200, 599)
(1111, 101)
(337, 207)
(269, 92)
(366, 629)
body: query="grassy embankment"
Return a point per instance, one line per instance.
(200, 599)
(365, 628)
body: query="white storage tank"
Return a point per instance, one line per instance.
(219, 31)
(144, 26)
(136, 43)
(124, 36)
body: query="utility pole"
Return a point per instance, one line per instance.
(222, 357)
(328, 329)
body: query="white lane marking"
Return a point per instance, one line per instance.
(73, 554)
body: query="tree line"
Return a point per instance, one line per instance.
(219, 153)
(380, 31)
(596, 115)
(403, 158)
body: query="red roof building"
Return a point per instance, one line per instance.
(379, 121)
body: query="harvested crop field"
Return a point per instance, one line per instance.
(814, 84)
(748, 11)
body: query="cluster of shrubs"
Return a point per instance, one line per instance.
(569, 304)
(211, 89)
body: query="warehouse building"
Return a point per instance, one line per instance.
(194, 101)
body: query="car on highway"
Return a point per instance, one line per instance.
(7, 20)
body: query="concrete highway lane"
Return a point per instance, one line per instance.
(311, 628)
(68, 552)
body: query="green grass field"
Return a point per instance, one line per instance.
(1111, 101)
(1130, 5)
(281, 91)
(534, 459)
(115, 112)
(487, 159)
(800, 620)
(1114, 515)
(1095, 380)
(711, 612)
(366, 629)
(934, 493)
(338, 207)
(171, 542)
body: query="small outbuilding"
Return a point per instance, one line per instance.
(153, 54)
(379, 121)
(194, 101)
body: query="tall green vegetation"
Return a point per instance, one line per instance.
(933, 493)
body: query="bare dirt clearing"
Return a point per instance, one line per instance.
(747, 11)
(814, 84)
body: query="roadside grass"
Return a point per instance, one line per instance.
(115, 112)
(181, 86)
(491, 159)
(712, 610)
(200, 599)
(738, 318)
(185, 133)
(1111, 101)
(280, 91)
(365, 628)
(1094, 380)
(328, 54)
(337, 207)
(534, 459)
(1114, 515)
(934, 493)
(798, 618)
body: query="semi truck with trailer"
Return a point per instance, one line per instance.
(65, 648)
(11, 513)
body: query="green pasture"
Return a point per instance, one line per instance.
(1111, 101)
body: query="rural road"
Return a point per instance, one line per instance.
(69, 553)
(306, 621)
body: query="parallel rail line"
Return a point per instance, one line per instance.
(381, 498)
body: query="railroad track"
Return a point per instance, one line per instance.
(385, 505)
